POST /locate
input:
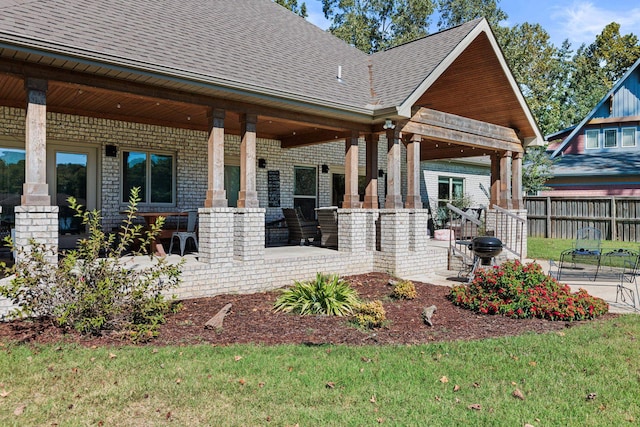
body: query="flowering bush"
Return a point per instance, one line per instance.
(521, 290)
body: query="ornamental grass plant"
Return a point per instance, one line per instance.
(327, 294)
(521, 290)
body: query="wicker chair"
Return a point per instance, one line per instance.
(328, 220)
(300, 229)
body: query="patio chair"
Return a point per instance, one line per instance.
(629, 277)
(588, 245)
(189, 233)
(328, 220)
(300, 229)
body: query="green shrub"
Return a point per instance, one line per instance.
(522, 291)
(404, 289)
(327, 294)
(369, 314)
(90, 289)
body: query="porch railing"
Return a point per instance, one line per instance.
(468, 227)
(510, 229)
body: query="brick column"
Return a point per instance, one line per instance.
(39, 223)
(352, 230)
(35, 191)
(215, 243)
(216, 194)
(394, 192)
(413, 173)
(248, 235)
(351, 198)
(371, 191)
(394, 231)
(418, 230)
(248, 196)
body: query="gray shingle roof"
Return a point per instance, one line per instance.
(602, 164)
(253, 44)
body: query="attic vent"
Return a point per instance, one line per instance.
(611, 104)
(339, 76)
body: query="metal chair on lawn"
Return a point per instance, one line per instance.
(628, 277)
(588, 245)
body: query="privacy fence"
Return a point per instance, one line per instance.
(618, 218)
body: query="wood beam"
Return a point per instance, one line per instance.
(452, 152)
(321, 135)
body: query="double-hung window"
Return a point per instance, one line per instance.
(449, 189)
(305, 189)
(592, 137)
(610, 138)
(628, 137)
(154, 173)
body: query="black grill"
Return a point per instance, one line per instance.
(486, 248)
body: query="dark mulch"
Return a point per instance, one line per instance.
(251, 320)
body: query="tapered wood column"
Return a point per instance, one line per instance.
(505, 180)
(516, 181)
(35, 191)
(248, 196)
(495, 180)
(394, 195)
(413, 173)
(371, 191)
(351, 198)
(216, 194)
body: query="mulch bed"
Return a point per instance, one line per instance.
(252, 320)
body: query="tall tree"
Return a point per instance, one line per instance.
(374, 25)
(293, 6)
(456, 12)
(537, 169)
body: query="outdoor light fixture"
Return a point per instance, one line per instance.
(388, 124)
(262, 163)
(380, 173)
(325, 168)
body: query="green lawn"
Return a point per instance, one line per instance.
(242, 385)
(541, 248)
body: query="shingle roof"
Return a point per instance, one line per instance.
(603, 164)
(253, 44)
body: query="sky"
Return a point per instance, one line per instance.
(579, 21)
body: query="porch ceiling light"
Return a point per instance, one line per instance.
(388, 124)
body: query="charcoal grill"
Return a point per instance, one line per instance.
(486, 248)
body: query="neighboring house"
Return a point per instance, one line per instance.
(601, 155)
(240, 108)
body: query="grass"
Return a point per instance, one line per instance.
(541, 248)
(332, 385)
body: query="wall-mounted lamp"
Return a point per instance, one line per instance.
(262, 163)
(388, 124)
(325, 168)
(380, 173)
(110, 150)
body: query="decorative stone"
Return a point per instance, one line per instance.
(427, 313)
(216, 321)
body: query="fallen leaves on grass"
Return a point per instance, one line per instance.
(518, 394)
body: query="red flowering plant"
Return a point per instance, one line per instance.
(521, 290)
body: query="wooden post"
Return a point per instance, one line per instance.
(394, 194)
(505, 180)
(413, 173)
(371, 191)
(549, 233)
(248, 196)
(216, 194)
(35, 191)
(495, 180)
(516, 181)
(614, 213)
(351, 198)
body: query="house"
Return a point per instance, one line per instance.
(240, 108)
(601, 155)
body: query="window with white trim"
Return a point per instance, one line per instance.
(305, 190)
(628, 137)
(610, 138)
(153, 173)
(592, 138)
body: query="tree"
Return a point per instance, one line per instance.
(456, 12)
(374, 25)
(537, 169)
(292, 5)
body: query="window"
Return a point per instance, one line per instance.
(592, 137)
(610, 138)
(154, 173)
(449, 189)
(305, 190)
(628, 137)
(12, 161)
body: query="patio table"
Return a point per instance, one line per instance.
(150, 218)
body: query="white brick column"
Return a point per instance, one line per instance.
(418, 230)
(215, 244)
(352, 230)
(394, 231)
(248, 241)
(39, 223)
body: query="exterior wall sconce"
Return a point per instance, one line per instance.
(262, 163)
(325, 168)
(380, 173)
(388, 124)
(110, 150)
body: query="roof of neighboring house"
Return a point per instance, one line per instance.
(604, 164)
(580, 126)
(242, 48)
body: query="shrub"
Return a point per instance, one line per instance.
(404, 289)
(327, 294)
(522, 291)
(90, 289)
(369, 314)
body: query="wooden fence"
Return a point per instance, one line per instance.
(618, 218)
